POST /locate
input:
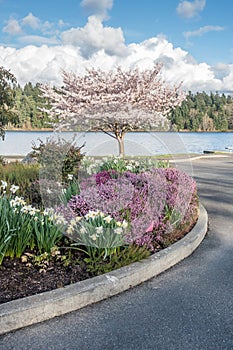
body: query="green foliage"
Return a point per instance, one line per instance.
(46, 233)
(29, 177)
(99, 233)
(203, 112)
(120, 164)
(71, 190)
(198, 112)
(122, 257)
(36, 236)
(7, 98)
(25, 227)
(27, 108)
(30, 107)
(15, 229)
(6, 231)
(173, 216)
(58, 159)
(21, 175)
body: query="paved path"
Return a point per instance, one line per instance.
(188, 307)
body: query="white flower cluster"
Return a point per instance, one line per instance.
(20, 205)
(4, 185)
(29, 209)
(94, 222)
(90, 164)
(58, 219)
(94, 214)
(17, 201)
(73, 224)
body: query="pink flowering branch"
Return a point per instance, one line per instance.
(114, 102)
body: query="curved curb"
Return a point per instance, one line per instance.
(199, 157)
(37, 308)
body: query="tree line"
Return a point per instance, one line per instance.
(198, 112)
(24, 107)
(28, 107)
(203, 112)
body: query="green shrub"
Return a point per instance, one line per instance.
(24, 227)
(122, 257)
(92, 165)
(15, 228)
(58, 158)
(21, 175)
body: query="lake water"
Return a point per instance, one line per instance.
(141, 143)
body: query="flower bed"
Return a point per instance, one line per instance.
(118, 215)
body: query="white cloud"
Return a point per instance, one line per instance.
(189, 9)
(31, 21)
(103, 47)
(61, 23)
(23, 28)
(221, 70)
(38, 40)
(12, 27)
(98, 8)
(94, 37)
(227, 80)
(202, 30)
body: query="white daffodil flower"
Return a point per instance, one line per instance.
(70, 230)
(4, 184)
(99, 230)
(124, 224)
(83, 230)
(108, 219)
(93, 237)
(14, 188)
(118, 230)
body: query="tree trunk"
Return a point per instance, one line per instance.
(121, 145)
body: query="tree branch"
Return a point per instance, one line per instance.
(106, 132)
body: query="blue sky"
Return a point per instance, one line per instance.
(192, 38)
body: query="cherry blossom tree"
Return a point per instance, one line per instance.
(114, 102)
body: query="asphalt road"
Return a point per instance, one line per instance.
(188, 307)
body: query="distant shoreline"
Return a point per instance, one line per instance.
(29, 130)
(162, 131)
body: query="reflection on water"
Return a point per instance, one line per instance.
(141, 143)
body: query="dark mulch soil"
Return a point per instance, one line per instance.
(17, 280)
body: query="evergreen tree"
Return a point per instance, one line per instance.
(7, 99)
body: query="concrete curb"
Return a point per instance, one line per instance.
(27, 311)
(199, 157)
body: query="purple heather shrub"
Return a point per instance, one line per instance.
(157, 192)
(104, 176)
(78, 204)
(147, 240)
(66, 212)
(152, 202)
(99, 178)
(167, 189)
(110, 196)
(180, 191)
(88, 182)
